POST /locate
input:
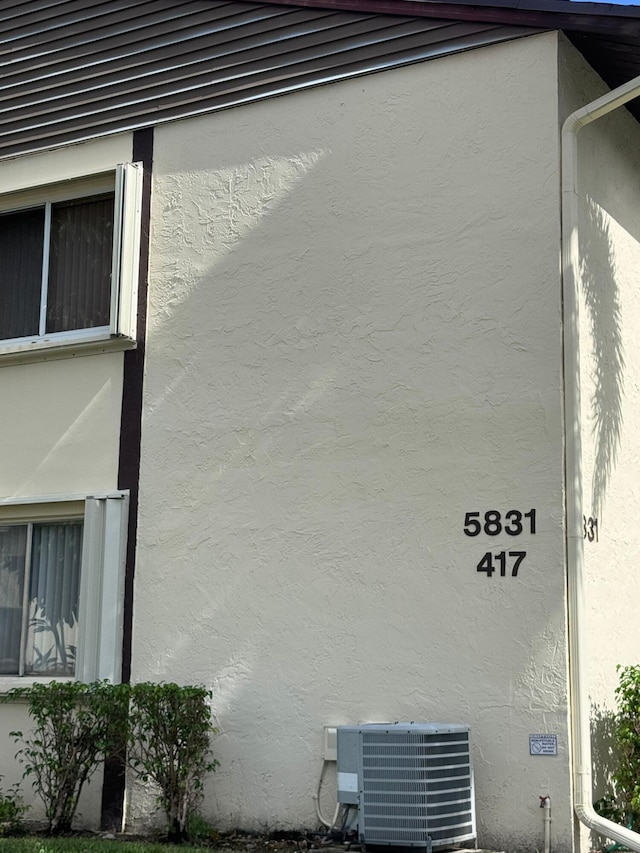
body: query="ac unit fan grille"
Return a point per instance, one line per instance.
(416, 787)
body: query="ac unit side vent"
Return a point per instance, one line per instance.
(404, 741)
(415, 749)
(411, 822)
(414, 783)
(438, 783)
(419, 798)
(417, 774)
(431, 818)
(424, 807)
(399, 838)
(417, 763)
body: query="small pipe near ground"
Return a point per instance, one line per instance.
(580, 734)
(545, 803)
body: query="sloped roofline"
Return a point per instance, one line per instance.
(105, 67)
(598, 18)
(74, 74)
(607, 35)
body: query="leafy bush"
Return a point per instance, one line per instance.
(76, 725)
(200, 832)
(170, 729)
(609, 807)
(162, 731)
(12, 810)
(627, 737)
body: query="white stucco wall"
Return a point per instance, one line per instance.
(354, 339)
(62, 421)
(59, 421)
(609, 170)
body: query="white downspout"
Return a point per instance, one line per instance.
(581, 743)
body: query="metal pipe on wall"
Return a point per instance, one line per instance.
(580, 732)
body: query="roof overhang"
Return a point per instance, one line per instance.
(606, 34)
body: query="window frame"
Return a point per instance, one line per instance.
(29, 524)
(126, 184)
(102, 570)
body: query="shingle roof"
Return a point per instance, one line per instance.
(607, 34)
(73, 69)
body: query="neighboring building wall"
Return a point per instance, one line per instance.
(60, 419)
(354, 340)
(609, 173)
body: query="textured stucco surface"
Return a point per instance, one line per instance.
(354, 339)
(62, 421)
(59, 421)
(609, 172)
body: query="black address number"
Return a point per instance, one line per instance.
(590, 528)
(502, 561)
(493, 524)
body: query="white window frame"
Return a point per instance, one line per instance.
(126, 183)
(102, 572)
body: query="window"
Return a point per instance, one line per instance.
(69, 260)
(40, 593)
(61, 588)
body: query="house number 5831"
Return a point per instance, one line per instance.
(493, 523)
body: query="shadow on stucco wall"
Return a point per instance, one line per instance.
(603, 750)
(604, 761)
(602, 298)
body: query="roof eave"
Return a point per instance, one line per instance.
(594, 18)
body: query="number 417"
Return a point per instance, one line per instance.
(488, 565)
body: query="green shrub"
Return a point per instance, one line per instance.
(169, 743)
(75, 726)
(621, 802)
(12, 810)
(627, 736)
(162, 731)
(609, 807)
(199, 831)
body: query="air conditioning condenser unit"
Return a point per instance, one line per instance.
(412, 783)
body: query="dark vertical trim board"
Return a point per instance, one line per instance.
(113, 787)
(131, 419)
